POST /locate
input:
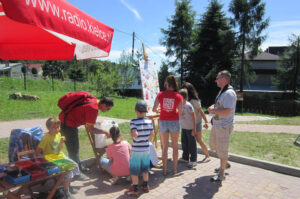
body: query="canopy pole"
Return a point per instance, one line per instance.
(144, 53)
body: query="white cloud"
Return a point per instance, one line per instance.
(114, 56)
(156, 54)
(279, 33)
(134, 11)
(158, 48)
(277, 24)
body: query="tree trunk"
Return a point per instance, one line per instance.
(24, 81)
(52, 83)
(296, 71)
(242, 71)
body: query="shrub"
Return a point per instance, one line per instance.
(266, 105)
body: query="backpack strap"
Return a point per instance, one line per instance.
(75, 101)
(77, 105)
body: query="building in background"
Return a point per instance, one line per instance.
(265, 66)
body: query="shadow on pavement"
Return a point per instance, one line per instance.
(101, 182)
(201, 188)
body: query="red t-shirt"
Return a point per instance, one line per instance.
(169, 101)
(81, 115)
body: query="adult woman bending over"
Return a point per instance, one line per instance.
(170, 109)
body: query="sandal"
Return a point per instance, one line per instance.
(218, 169)
(205, 160)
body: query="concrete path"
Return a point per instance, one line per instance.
(6, 127)
(242, 181)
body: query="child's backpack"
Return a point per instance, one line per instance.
(17, 143)
(73, 100)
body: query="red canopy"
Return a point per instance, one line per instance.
(50, 30)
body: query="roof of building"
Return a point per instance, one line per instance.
(37, 66)
(11, 65)
(264, 56)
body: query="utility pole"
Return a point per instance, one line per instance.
(133, 44)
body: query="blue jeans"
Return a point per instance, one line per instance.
(189, 145)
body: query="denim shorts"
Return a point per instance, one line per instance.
(199, 127)
(105, 163)
(169, 126)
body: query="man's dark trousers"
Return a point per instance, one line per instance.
(72, 142)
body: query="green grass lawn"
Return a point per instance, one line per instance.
(273, 147)
(47, 106)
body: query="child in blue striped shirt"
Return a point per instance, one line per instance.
(141, 130)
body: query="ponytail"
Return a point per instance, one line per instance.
(114, 132)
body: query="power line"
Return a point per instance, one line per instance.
(140, 40)
(126, 33)
(149, 48)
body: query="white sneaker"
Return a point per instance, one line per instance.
(114, 180)
(192, 164)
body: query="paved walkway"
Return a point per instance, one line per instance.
(6, 127)
(242, 181)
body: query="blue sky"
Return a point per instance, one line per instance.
(147, 17)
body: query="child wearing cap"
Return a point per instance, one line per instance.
(141, 130)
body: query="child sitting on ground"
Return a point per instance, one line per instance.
(118, 153)
(141, 130)
(52, 143)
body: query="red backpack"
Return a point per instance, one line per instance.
(73, 100)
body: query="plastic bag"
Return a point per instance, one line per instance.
(101, 141)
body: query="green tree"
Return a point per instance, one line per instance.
(104, 76)
(178, 36)
(249, 19)
(34, 71)
(287, 77)
(76, 75)
(53, 69)
(213, 50)
(162, 75)
(127, 71)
